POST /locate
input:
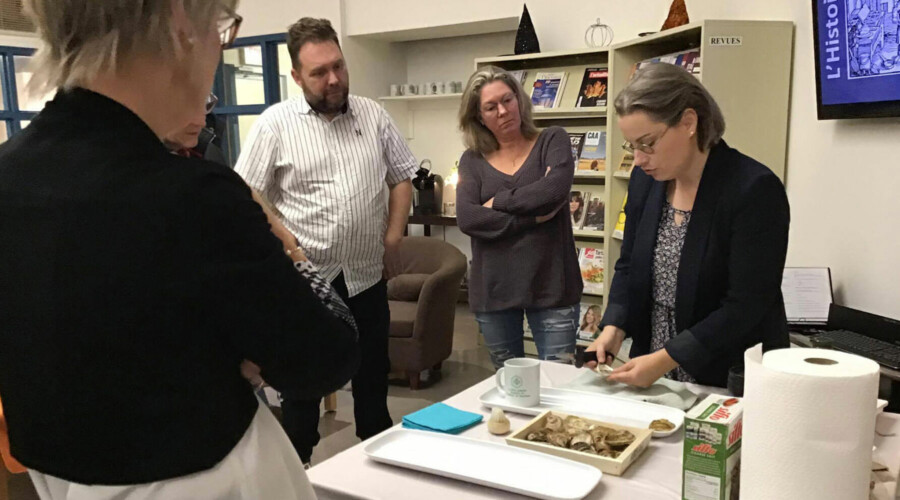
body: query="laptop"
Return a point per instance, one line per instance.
(810, 309)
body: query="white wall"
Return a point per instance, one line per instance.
(841, 176)
(265, 17)
(16, 39)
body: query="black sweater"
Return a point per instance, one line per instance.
(516, 262)
(133, 282)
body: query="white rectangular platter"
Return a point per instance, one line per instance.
(589, 404)
(495, 465)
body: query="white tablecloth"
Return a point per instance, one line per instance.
(655, 475)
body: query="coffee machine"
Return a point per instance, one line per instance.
(427, 196)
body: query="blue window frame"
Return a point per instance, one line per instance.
(230, 110)
(12, 115)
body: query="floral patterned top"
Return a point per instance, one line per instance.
(666, 258)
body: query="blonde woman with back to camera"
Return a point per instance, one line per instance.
(513, 184)
(136, 281)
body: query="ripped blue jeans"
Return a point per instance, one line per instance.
(553, 329)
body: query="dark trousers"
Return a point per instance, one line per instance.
(301, 417)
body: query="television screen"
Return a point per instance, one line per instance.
(857, 63)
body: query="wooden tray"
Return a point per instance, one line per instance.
(614, 466)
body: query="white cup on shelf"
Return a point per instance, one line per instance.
(395, 90)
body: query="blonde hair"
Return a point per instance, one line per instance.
(476, 136)
(82, 38)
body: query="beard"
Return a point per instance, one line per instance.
(329, 103)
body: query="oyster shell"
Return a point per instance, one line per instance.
(560, 439)
(582, 442)
(539, 436)
(553, 423)
(599, 433)
(662, 425)
(575, 425)
(620, 439)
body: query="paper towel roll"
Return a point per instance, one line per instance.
(809, 425)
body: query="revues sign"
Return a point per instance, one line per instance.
(720, 41)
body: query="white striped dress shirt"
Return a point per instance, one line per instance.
(329, 181)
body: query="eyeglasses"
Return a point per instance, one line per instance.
(211, 101)
(228, 27)
(508, 102)
(644, 148)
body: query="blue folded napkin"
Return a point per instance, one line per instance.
(441, 418)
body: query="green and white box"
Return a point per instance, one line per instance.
(712, 449)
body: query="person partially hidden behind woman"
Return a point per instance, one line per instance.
(698, 280)
(513, 181)
(135, 281)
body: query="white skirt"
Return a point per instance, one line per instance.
(263, 465)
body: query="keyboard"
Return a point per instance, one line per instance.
(883, 353)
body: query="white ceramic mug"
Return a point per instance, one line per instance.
(408, 89)
(395, 89)
(520, 381)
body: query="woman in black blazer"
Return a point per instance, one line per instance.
(698, 280)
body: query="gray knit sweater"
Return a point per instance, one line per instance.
(516, 262)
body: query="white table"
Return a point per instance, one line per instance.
(655, 475)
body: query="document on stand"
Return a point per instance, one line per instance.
(807, 294)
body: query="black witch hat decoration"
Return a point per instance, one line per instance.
(526, 38)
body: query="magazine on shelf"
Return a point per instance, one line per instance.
(687, 59)
(594, 220)
(593, 91)
(627, 164)
(578, 201)
(592, 160)
(589, 321)
(591, 262)
(518, 74)
(619, 231)
(548, 89)
(577, 141)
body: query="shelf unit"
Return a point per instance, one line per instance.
(756, 115)
(413, 98)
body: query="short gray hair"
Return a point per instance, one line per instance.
(476, 136)
(82, 38)
(664, 92)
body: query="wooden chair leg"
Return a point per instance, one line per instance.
(331, 402)
(414, 380)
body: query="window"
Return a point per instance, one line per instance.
(16, 107)
(254, 74)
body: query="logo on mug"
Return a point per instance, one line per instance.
(516, 381)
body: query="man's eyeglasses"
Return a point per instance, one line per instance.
(228, 27)
(646, 148)
(211, 101)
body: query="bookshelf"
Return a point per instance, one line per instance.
(413, 98)
(750, 82)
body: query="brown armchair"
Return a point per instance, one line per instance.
(422, 299)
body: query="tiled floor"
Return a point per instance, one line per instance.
(469, 363)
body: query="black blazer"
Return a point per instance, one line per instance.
(728, 294)
(133, 282)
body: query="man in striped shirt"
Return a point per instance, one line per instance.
(325, 161)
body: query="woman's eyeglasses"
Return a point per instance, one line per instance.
(211, 101)
(646, 148)
(228, 27)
